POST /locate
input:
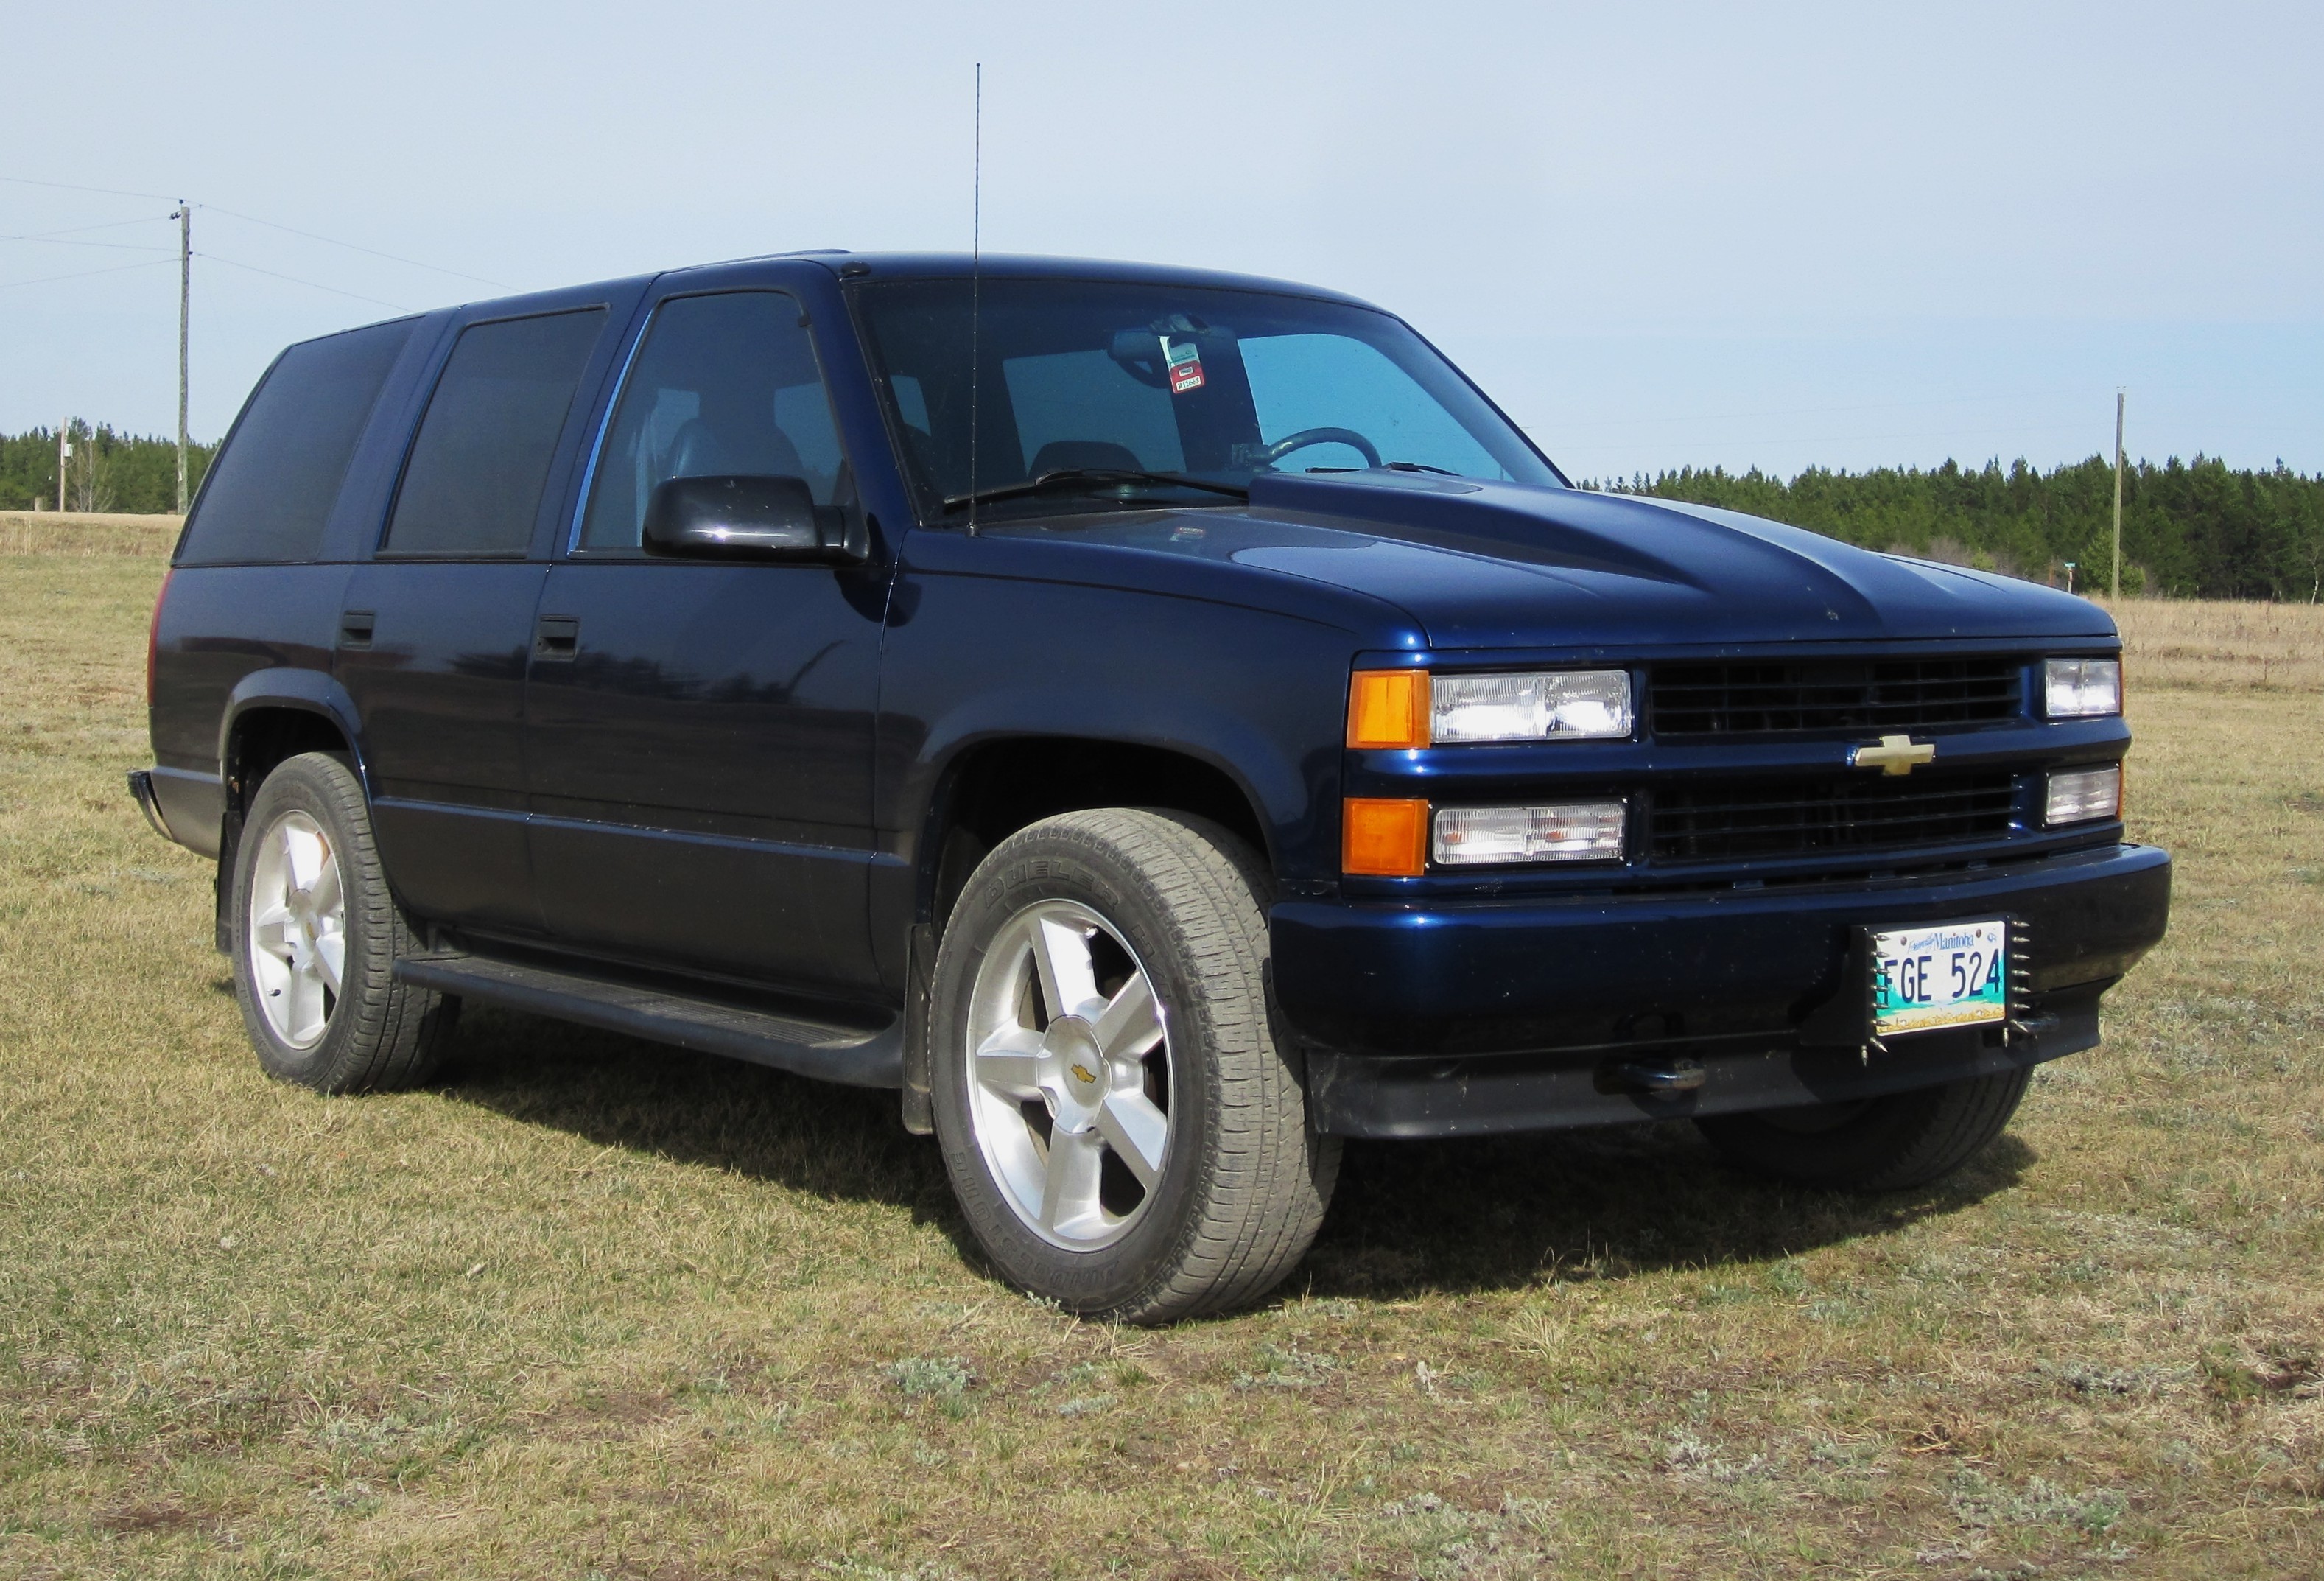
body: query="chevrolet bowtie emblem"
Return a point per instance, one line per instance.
(1895, 755)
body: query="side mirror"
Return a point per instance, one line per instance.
(773, 519)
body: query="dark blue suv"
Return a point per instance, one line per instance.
(1163, 723)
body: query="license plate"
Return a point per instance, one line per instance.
(1950, 975)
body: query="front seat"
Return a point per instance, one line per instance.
(700, 450)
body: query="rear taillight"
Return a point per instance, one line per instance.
(153, 635)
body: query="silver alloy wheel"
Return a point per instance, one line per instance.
(1069, 1066)
(298, 929)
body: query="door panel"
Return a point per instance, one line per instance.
(440, 692)
(699, 733)
(434, 634)
(701, 766)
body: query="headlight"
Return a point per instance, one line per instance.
(1568, 831)
(2083, 796)
(1562, 705)
(1411, 707)
(2081, 689)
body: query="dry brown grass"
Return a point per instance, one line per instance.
(84, 535)
(590, 1307)
(2219, 646)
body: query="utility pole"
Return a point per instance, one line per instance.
(64, 453)
(2119, 393)
(185, 218)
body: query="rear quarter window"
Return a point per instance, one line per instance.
(269, 494)
(473, 482)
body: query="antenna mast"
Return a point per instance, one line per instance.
(975, 286)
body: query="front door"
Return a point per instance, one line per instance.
(698, 735)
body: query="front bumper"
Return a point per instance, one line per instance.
(1467, 1018)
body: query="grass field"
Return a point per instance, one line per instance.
(592, 1308)
(84, 535)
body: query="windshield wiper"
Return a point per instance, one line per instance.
(1386, 466)
(1066, 479)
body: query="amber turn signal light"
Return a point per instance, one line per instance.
(1383, 838)
(1388, 707)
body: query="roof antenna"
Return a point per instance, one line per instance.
(975, 287)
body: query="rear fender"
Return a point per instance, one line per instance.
(310, 691)
(304, 692)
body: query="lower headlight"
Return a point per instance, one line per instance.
(1567, 831)
(2083, 796)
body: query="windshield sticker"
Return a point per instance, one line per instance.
(1185, 366)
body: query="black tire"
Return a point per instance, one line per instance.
(378, 1035)
(1890, 1143)
(1244, 1184)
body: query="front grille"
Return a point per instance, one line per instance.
(1806, 818)
(1858, 696)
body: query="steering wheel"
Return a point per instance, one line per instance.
(1320, 436)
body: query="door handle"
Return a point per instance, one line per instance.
(556, 638)
(356, 626)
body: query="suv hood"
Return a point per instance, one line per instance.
(1491, 565)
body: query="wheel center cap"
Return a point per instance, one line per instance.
(1071, 1043)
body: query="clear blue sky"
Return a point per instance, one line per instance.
(1769, 235)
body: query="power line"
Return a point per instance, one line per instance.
(254, 219)
(84, 229)
(294, 280)
(102, 191)
(85, 273)
(352, 246)
(61, 242)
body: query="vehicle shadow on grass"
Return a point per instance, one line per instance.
(1490, 1214)
(811, 1136)
(1506, 1212)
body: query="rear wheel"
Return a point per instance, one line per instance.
(1123, 1130)
(1874, 1144)
(316, 935)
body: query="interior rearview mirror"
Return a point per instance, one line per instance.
(749, 518)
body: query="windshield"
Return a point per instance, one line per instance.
(1103, 379)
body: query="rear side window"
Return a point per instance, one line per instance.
(474, 482)
(269, 495)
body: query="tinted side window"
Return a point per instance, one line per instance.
(472, 485)
(270, 494)
(723, 385)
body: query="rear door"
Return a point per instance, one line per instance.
(434, 634)
(699, 736)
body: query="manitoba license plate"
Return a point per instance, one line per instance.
(1952, 975)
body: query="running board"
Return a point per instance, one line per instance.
(826, 1051)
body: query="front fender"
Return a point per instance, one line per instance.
(1273, 779)
(1259, 696)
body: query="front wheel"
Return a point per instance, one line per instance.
(316, 934)
(1887, 1144)
(1123, 1130)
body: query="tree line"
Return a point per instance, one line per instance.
(107, 471)
(2190, 529)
